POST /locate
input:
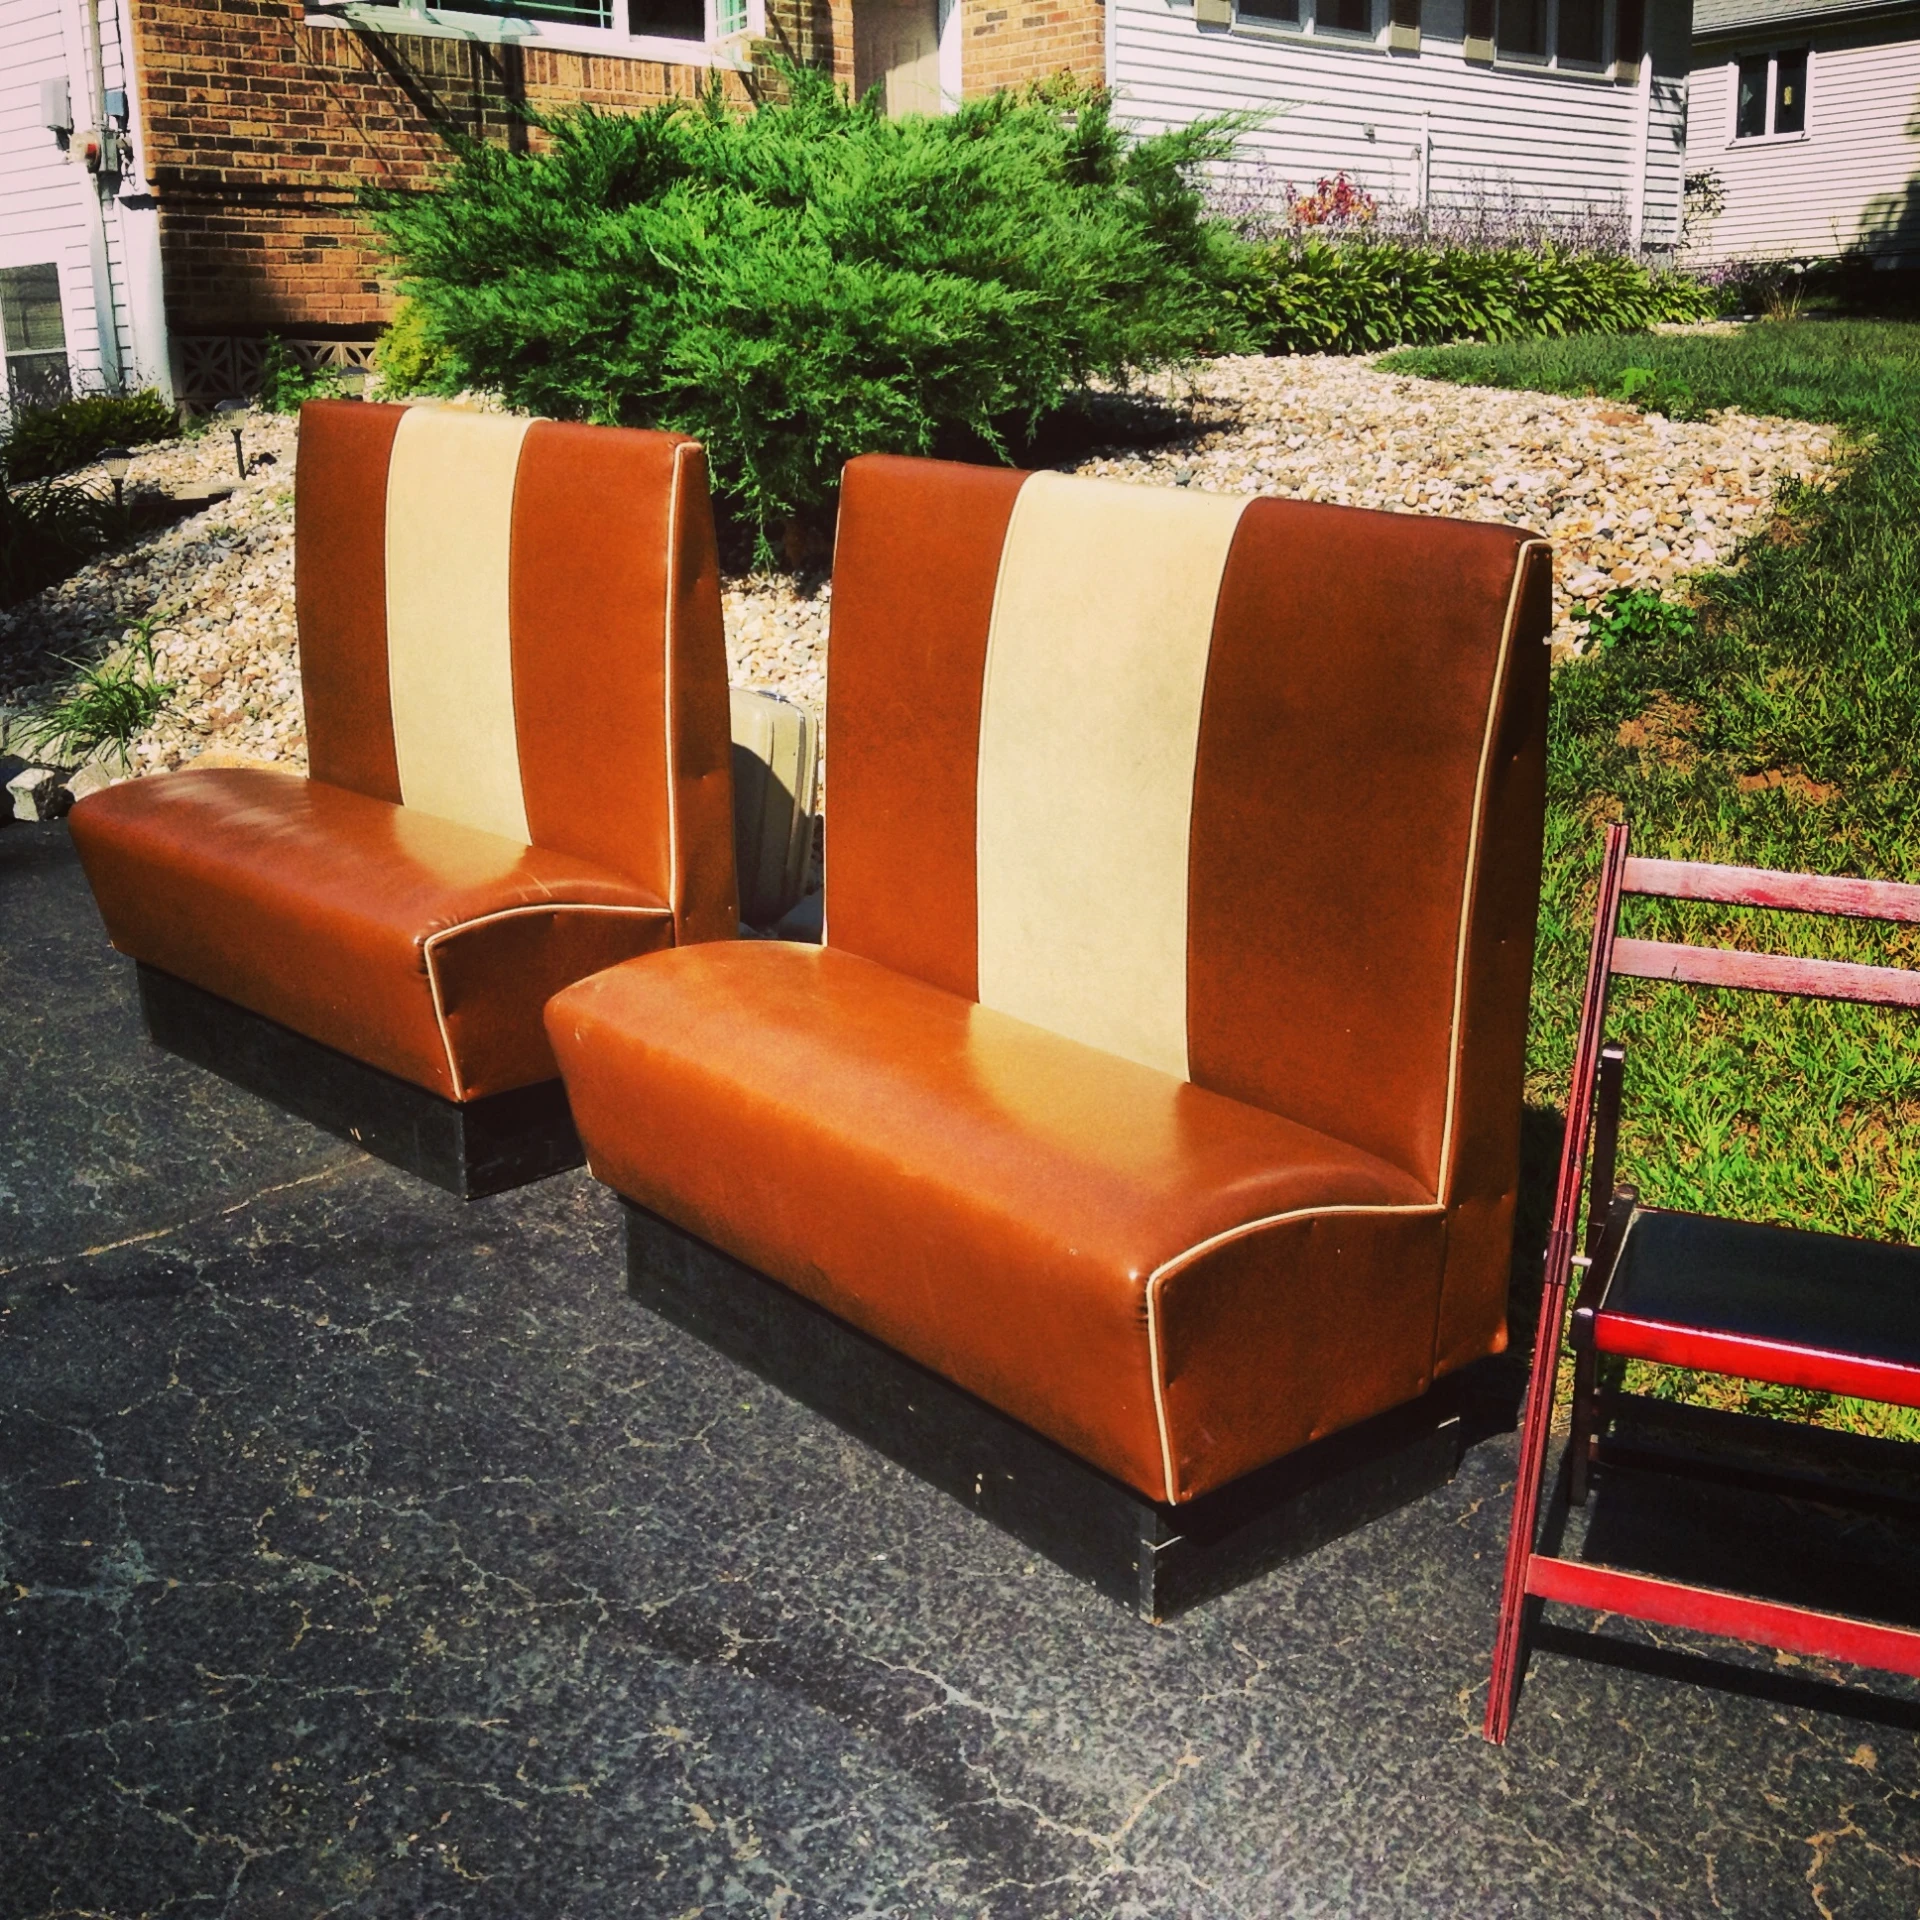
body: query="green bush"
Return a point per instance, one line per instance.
(49, 440)
(287, 382)
(812, 280)
(1311, 295)
(409, 359)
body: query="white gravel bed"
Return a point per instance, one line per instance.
(1629, 500)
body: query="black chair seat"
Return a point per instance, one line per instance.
(1766, 1303)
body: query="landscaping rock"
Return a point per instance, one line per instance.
(95, 775)
(1629, 500)
(38, 794)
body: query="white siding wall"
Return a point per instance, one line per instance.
(1563, 139)
(1853, 178)
(45, 213)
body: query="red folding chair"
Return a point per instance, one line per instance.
(1757, 1302)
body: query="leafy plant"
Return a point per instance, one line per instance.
(43, 441)
(409, 359)
(1638, 617)
(1337, 203)
(50, 528)
(286, 382)
(1656, 392)
(109, 703)
(811, 280)
(1316, 295)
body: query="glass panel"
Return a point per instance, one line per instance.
(30, 319)
(1580, 24)
(729, 17)
(1285, 12)
(675, 19)
(1750, 103)
(1790, 93)
(1523, 27)
(1345, 16)
(575, 13)
(38, 379)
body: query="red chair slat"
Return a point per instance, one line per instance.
(1744, 1357)
(1766, 972)
(1673, 1603)
(1761, 887)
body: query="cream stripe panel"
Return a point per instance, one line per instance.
(1089, 726)
(449, 650)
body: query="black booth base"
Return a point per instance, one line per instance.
(470, 1147)
(1153, 1558)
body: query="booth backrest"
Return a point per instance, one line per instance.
(1248, 790)
(516, 624)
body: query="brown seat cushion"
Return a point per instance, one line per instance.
(419, 945)
(1175, 1285)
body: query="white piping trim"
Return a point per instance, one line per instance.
(433, 940)
(675, 904)
(1166, 1270)
(1521, 561)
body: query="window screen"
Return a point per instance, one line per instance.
(1348, 16)
(1523, 26)
(1750, 100)
(1580, 27)
(35, 335)
(1284, 13)
(1790, 93)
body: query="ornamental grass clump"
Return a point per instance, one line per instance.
(811, 280)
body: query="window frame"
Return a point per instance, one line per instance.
(9, 354)
(1382, 36)
(1306, 25)
(1552, 60)
(1771, 94)
(712, 49)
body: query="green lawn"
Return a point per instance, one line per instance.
(1797, 672)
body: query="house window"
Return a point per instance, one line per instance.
(1523, 28)
(35, 335)
(1560, 33)
(1581, 31)
(1312, 16)
(634, 28)
(1770, 95)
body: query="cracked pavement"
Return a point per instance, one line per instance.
(364, 1552)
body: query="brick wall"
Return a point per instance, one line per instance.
(1006, 43)
(261, 130)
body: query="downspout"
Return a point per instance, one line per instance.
(1637, 166)
(106, 325)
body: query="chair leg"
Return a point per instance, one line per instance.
(1536, 1426)
(1586, 1423)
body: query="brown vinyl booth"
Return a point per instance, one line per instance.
(516, 712)
(1150, 1115)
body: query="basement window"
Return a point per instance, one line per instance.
(35, 334)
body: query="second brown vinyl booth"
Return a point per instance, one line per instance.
(1137, 1156)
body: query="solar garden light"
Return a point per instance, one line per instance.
(117, 461)
(230, 408)
(353, 382)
